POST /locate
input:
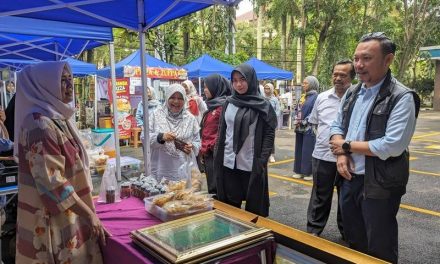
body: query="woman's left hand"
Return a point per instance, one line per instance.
(188, 148)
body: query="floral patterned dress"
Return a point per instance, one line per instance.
(52, 178)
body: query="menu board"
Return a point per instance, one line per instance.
(125, 117)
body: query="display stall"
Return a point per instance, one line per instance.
(168, 222)
(293, 246)
(159, 73)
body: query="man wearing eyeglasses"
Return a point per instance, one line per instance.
(370, 137)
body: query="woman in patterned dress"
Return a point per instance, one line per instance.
(56, 221)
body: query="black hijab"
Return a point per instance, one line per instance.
(250, 105)
(219, 87)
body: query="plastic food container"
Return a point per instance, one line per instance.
(105, 138)
(164, 216)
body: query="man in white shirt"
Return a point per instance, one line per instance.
(324, 168)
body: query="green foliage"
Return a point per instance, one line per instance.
(341, 22)
(424, 88)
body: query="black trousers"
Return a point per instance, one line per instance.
(236, 185)
(370, 225)
(209, 171)
(324, 175)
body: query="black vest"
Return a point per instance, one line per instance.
(390, 176)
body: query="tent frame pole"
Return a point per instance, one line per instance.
(146, 127)
(115, 111)
(96, 100)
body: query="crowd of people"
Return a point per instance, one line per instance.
(353, 137)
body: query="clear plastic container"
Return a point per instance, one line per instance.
(105, 138)
(165, 216)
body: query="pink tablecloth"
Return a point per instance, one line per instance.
(129, 214)
(119, 219)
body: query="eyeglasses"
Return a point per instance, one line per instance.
(374, 35)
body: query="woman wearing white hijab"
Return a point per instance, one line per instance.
(56, 220)
(169, 123)
(269, 94)
(195, 106)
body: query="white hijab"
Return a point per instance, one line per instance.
(183, 124)
(191, 87)
(270, 85)
(39, 91)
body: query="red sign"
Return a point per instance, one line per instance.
(125, 118)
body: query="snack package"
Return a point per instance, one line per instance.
(175, 185)
(176, 207)
(161, 199)
(189, 170)
(183, 194)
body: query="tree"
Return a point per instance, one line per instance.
(278, 12)
(418, 18)
(304, 36)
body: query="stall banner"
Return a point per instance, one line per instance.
(157, 73)
(125, 117)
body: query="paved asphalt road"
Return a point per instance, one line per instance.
(419, 216)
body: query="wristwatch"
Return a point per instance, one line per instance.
(347, 147)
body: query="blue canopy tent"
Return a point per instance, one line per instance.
(25, 41)
(41, 40)
(138, 15)
(207, 65)
(268, 72)
(79, 68)
(134, 60)
(13, 64)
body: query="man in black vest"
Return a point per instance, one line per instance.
(370, 137)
